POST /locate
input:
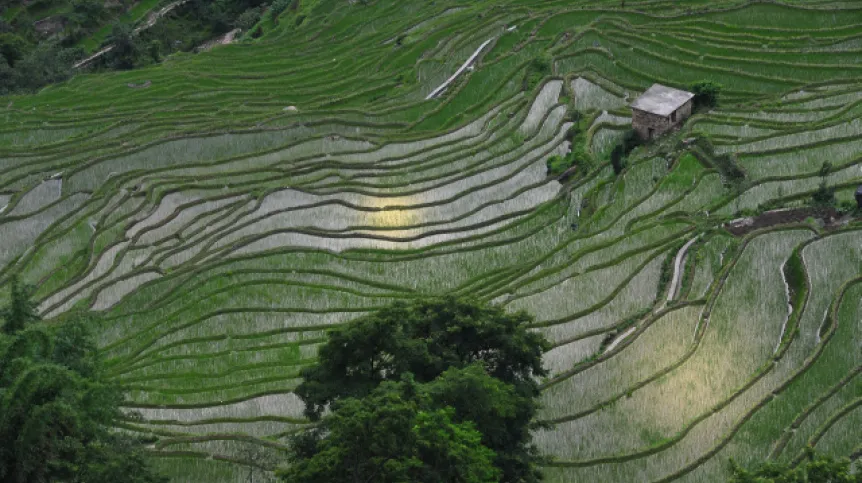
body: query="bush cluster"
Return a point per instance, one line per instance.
(706, 93)
(538, 68)
(578, 154)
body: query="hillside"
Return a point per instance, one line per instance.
(218, 212)
(48, 41)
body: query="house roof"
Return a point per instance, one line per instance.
(661, 100)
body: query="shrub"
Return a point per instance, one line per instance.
(824, 197)
(557, 165)
(86, 13)
(846, 207)
(726, 164)
(537, 69)
(12, 48)
(248, 19)
(706, 93)
(126, 47)
(278, 6)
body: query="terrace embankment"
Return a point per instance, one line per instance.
(827, 217)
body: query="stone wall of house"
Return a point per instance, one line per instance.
(684, 111)
(642, 121)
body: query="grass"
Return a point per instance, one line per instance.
(214, 236)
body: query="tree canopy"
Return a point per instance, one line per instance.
(56, 412)
(21, 310)
(394, 434)
(461, 368)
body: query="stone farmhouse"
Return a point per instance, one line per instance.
(659, 110)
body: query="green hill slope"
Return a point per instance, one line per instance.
(220, 211)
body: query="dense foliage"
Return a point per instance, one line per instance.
(21, 310)
(465, 366)
(815, 468)
(56, 411)
(399, 432)
(578, 155)
(37, 49)
(34, 66)
(706, 93)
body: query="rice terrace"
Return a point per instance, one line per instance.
(212, 216)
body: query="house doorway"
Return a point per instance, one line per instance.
(650, 133)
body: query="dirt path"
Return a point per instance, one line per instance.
(458, 72)
(152, 18)
(619, 339)
(223, 40)
(677, 268)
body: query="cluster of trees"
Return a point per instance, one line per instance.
(26, 66)
(56, 410)
(186, 28)
(30, 60)
(436, 391)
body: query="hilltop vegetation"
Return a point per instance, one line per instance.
(221, 213)
(47, 41)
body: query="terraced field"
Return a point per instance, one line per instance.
(215, 224)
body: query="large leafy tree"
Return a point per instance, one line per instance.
(56, 411)
(394, 434)
(425, 339)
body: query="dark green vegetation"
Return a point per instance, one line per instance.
(57, 413)
(706, 93)
(461, 411)
(814, 468)
(220, 213)
(42, 41)
(397, 433)
(20, 311)
(466, 369)
(186, 28)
